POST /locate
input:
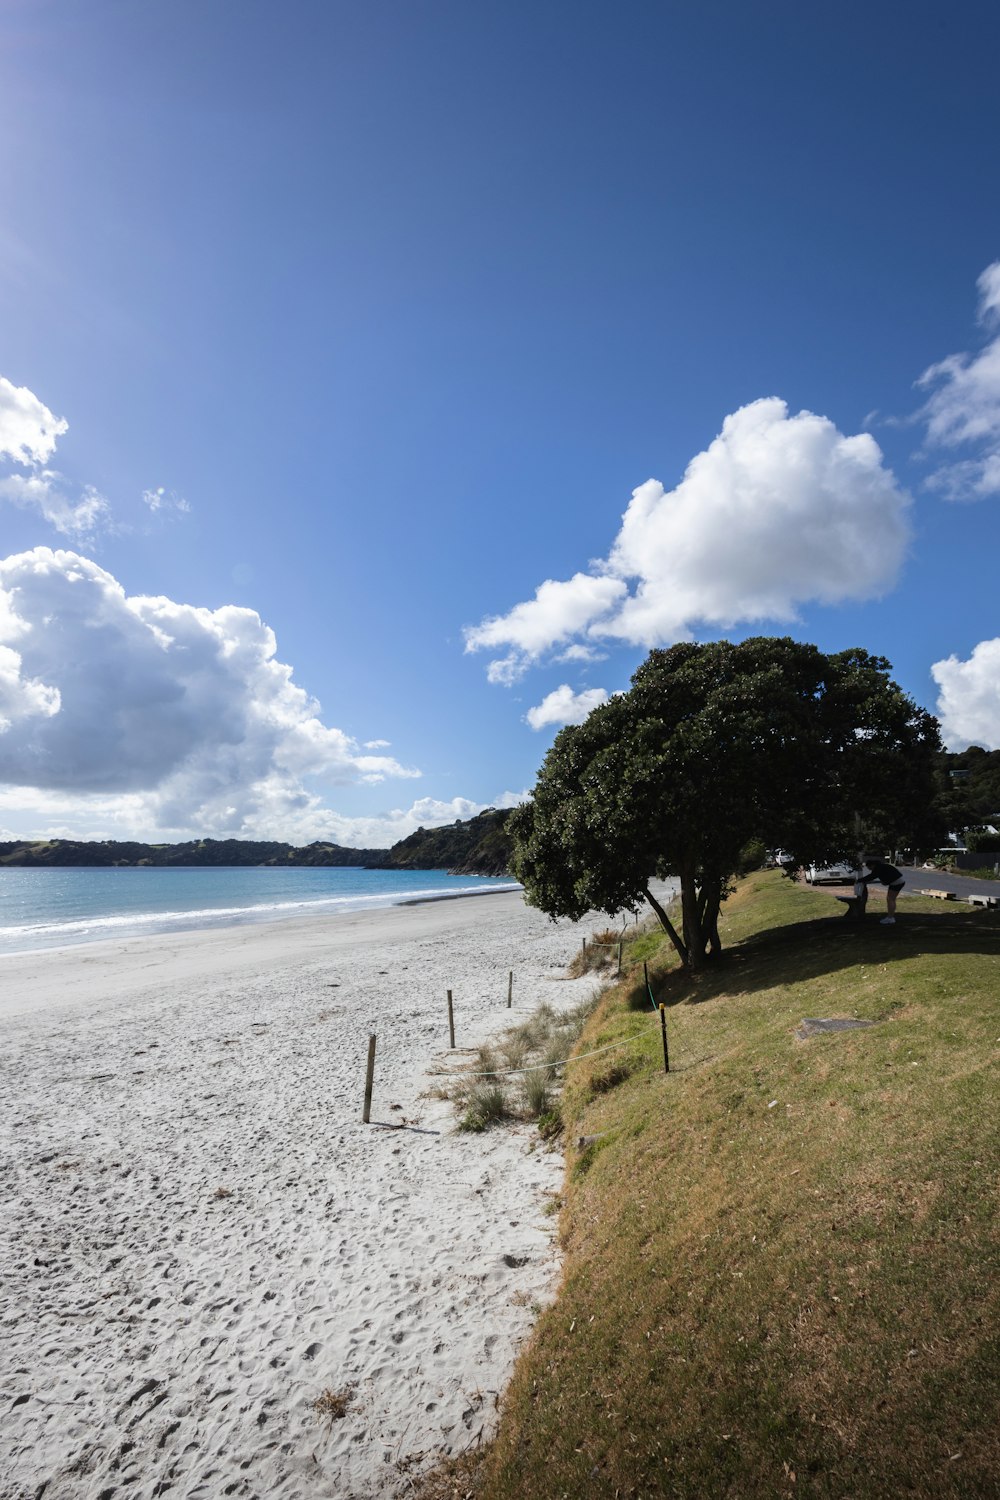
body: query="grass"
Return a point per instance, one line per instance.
(600, 953)
(531, 1051)
(781, 1268)
(486, 1104)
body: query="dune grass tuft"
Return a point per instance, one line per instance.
(486, 1104)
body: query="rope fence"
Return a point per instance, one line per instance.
(460, 1073)
(535, 1067)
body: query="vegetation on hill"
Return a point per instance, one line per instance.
(781, 1259)
(194, 852)
(970, 791)
(474, 846)
(478, 846)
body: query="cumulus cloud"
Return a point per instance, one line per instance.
(563, 706)
(963, 409)
(512, 799)
(969, 699)
(778, 511)
(28, 430)
(558, 611)
(186, 708)
(385, 829)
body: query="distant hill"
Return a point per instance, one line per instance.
(478, 846)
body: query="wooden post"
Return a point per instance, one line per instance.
(510, 989)
(585, 945)
(663, 1028)
(619, 960)
(451, 1023)
(369, 1080)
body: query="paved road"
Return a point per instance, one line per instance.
(939, 880)
(918, 879)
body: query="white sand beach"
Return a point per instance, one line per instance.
(199, 1235)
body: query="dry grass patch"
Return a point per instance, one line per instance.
(525, 1066)
(332, 1405)
(599, 955)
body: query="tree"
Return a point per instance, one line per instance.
(982, 841)
(712, 746)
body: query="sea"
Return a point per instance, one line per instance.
(59, 908)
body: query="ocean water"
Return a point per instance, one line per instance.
(57, 908)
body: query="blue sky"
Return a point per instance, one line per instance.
(336, 338)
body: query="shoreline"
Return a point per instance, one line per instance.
(512, 890)
(205, 1236)
(304, 911)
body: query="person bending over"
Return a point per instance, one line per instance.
(886, 875)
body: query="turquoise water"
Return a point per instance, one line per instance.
(58, 908)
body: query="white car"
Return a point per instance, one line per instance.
(831, 874)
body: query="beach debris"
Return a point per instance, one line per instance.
(333, 1404)
(811, 1026)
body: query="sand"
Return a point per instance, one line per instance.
(200, 1237)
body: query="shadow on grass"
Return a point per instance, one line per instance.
(797, 952)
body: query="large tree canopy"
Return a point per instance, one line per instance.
(715, 745)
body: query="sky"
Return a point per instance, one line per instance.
(380, 383)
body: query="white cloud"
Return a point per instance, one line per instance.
(45, 492)
(989, 292)
(28, 436)
(563, 706)
(963, 409)
(969, 700)
(28, 430)
(187, 709)
(160, 500)
(513, 799)
(385, 829)
(581, 653)
(779, 510)
(557, 611)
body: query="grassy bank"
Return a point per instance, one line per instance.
(781, 1261)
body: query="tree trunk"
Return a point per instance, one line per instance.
(710, 916)
(694, 941)
(667, 926)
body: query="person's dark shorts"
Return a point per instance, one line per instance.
(897, 886)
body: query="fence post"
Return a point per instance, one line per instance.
(663, 1027)
(369, 1080)
(510, 989)
(619, 960)
(451, 1022)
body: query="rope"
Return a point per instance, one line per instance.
(534, 1067)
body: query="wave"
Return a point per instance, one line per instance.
(209, 915)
